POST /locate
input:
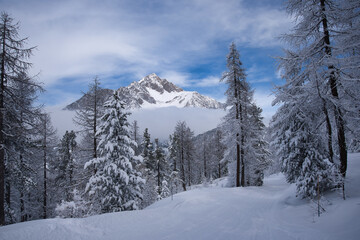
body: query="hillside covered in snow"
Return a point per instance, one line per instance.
(216, 212)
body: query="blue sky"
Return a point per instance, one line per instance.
(185, 41)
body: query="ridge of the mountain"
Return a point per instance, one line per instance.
(155, 92)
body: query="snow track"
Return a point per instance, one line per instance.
(268, 212)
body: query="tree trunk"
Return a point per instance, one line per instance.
(242, 162)
(182, 169)
(22, 207)
(189, 171)
(328, 125)
(158, 173)
(2, 142)
(334, 91)
(219, 170)
(242, 143)
(22, 202)
(8, 193)
(237, 134)
(94, 126)
(45, 177)
(204, 156)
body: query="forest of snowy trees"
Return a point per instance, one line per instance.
(111, 166)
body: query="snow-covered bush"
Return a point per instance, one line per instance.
(72, 209)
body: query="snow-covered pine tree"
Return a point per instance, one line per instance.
(238, 99)
(76, 208)
(164, 191)
(301, 150)
(241, 125)
(162, 170)
(258, 148)
(174, 179)
(182, 152)
(148, 151)
(148, 169)
(65, 166)
(189, 156)
(116, 183)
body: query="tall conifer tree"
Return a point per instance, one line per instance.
(116, 183)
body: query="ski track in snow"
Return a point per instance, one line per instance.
(268, 212)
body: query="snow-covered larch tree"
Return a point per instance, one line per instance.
(241, 124)
(14, 66)
(321, 69)
(116, 183)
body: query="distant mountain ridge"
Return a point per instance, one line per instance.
(154, 92)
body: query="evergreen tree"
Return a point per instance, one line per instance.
(302, 152)
(116, 183)
(148, 169)
(162, 169)
(241, 126)
(148, 152)
(66, 166)
(183, 153)
(238, 98)
(257, 149)
(174, 181)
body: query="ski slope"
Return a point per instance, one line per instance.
(268, 212)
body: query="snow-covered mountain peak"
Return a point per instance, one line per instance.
(154, 82)
(155, 92)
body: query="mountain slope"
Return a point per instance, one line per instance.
(268, 212)
(103, 96)
(154, 92)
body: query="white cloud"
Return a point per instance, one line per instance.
(94, 38)
(62, 120)
(178, 78)
(208, 81)
(161, 122)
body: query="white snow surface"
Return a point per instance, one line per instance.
(214, 212)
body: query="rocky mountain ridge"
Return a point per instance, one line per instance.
(154, 92)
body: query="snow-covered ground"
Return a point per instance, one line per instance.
(268, 212)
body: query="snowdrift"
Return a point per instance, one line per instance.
(268, 212)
